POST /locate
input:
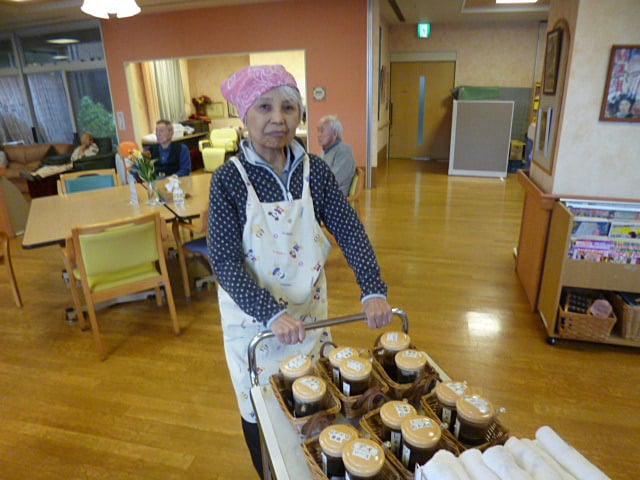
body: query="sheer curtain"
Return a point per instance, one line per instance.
(51, 107)
(171, 93)
(150, 94)
(15, 124)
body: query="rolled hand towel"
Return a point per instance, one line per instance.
(562, 473)
(503, 464)
(475, 467)
(444, 466)
(534, 464)
(567, 456)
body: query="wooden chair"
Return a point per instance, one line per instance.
(197, 246)
(117, 258)
(356, 188)
(74, 182)
(5, 256)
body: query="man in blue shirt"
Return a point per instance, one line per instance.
(173, 158)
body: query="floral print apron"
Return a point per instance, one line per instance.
(285, 249)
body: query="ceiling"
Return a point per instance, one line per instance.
(15, 14)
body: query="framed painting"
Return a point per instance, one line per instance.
(232, 110)
(215, 110)
(621, 97)
(552, 62)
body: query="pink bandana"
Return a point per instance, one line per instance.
(245, 86)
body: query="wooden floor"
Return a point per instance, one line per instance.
(162, 407)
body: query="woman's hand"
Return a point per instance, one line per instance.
(288, 329)
(378, 312)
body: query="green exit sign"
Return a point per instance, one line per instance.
(424, 30)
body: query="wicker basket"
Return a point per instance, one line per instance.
(399, 391)
(581, 326)
(628, 317)
(356, 405)
(496, 435)
(330, 406)
(371, 423)
(313, 453)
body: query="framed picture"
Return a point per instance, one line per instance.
(621, 98)
(552, 62)
(231, 108)
(215, 110)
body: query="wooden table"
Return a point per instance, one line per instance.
(52, 218)
(196, 189)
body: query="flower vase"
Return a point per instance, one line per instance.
(153, 194)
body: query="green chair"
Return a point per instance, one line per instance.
(114, 259)
(82, 181)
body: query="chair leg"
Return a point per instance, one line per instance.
(95, 330)
(75, 293)
(182, 260)
(6, 252)
(158, 296)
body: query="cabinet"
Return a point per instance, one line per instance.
(562, 271)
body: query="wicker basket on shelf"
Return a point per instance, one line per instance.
(356, 405)
(496, 435)
(330, 403)
(583, 326)
(313, 454)
(371, 423)
(628, 317)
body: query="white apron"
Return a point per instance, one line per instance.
(285, 249)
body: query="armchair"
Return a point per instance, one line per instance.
(214, 150)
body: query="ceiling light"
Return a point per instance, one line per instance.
(62, 41)
(60, 57)
(515, 1)
(105, 8)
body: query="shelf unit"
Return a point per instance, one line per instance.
(561, 271)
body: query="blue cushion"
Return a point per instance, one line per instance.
(89, 182)
(199, 245)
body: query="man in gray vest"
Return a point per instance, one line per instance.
(173, 158)
(337, 154)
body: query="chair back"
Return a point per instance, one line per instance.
(87, 180)
(356, 188)
(226, 138)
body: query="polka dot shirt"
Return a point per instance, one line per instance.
(227, 217)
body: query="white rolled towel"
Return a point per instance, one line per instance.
(567, 456)
(444, 466)
(529, 460)
(562, 473)
(503, 464)
(475, 467)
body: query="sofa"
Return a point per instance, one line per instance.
(29, 157)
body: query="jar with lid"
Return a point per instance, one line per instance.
(308, 394)
(420, 438)
(332, 441)
(294, 367)
(447, 394)
(355, 374)
(475, 416)
(391, 343)
(410, 365)
(392, 414)
(336, 356)
(363, 460)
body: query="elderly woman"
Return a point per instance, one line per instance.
(265, 242)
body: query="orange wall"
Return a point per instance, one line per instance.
(332, 32)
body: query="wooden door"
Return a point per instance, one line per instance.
(422, 105)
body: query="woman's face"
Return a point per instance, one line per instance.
(272, 121)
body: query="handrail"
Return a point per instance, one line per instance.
(255, 341)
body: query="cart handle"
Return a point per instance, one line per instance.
(253, 344)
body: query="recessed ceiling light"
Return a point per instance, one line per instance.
(515, 1)
(60, 57)
(62, 41)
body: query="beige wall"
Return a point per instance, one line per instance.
(487, 55)
(594, 158)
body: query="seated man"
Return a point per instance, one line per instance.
(173, 158)
(337, 154)
(87, 148)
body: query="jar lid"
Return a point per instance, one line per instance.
(421, 431)
(363, 457)
(449, 392)
(308, 389)
(395, 341)
(337, 355)
(411, 360)
(392, 413)
(475, 409)
(355, 369)
(334, 437)
(296, 366)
